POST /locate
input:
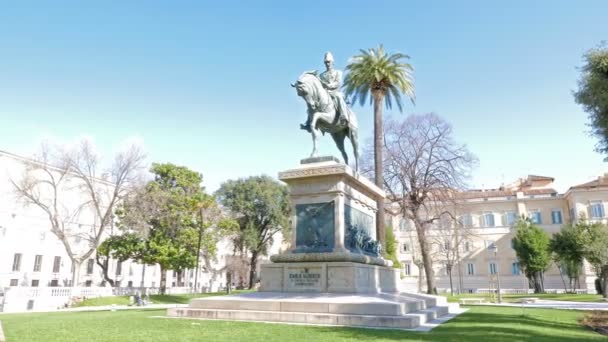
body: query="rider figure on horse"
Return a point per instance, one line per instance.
(331, 79)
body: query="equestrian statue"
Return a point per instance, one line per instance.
(327, 110)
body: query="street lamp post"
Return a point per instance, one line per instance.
(494, 248)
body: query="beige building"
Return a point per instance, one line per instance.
(486, 218)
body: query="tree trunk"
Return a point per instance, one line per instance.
(143, 275)
(105, 265)
(420, 272)
(426, 256)
(605, 282)
(252, 270)
(378, 164)
(163, 280)
(75, 272)
(459, 271)
(561, 274)
(538, 282)
(428, 270)
(451, 286)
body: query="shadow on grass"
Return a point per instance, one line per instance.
(481, 327)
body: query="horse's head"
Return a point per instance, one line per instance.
(308, 87)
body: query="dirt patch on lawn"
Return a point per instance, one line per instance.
(596, 320)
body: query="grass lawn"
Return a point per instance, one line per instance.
(154, 299)
(478, 324)
(517, 297)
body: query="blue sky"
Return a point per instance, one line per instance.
(206, 84)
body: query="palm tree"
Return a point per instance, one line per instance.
(382, 78)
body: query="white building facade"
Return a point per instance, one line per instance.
(32, 257)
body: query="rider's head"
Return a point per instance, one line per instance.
(328, 60)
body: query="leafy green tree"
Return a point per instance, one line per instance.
(593, 94)
(391, 249)
(531, 246)
(120, 247)
(595, 250)
(568, 250)
(383, 78)
(168, 214)
(261, 206)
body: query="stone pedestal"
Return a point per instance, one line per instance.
(327, 199)
(333, 239)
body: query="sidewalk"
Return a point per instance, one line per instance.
(105, 308)
(556, 304)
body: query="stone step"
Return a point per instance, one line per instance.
(407, 321)
(379, 310)
(386, 308)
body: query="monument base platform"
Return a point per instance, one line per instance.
(381, 310)
(328, 277)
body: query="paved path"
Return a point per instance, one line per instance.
(106, 308)
(2, 338)
(556, 304)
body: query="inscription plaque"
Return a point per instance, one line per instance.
(304, 278)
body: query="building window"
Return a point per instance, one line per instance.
(54, 283)
(466, 220)
(90, 264)
(467, 246)
(88, 283)
(488, 219)
(17, 262)
(56, 264)
(37, 263)
(14, 282)
(515, 269)
(470, 269)
(596, 209)
(35, 282)
(153, 284)
(535, 216)
(405, 248)
(510, 218)
(130, 283)
(493, 268)
(117, 283)
(407, 268)
(118, 267)
(556, 216)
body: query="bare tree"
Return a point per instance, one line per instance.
(423, 170)
(450, 236)
(75, 195)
